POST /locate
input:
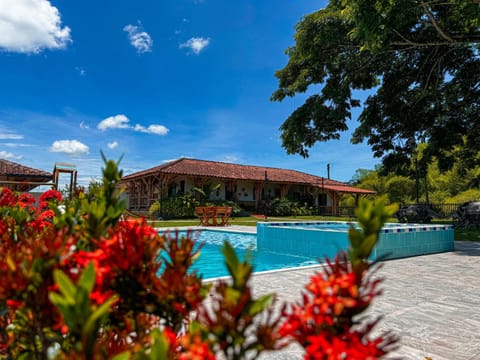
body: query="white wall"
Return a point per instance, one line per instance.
(218, 194)
(244, 191)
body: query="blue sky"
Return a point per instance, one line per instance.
(152, 81)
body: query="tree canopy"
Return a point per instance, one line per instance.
(421, 62)
(454, 186)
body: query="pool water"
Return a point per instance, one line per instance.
(211, 263)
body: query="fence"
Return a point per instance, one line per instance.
(443, 210)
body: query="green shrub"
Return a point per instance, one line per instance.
(286, 207)
(469, 195)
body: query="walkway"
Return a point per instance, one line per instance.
(432, 302)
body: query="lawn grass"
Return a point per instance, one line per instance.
(249, 221)
(246, 221)
(468, 235)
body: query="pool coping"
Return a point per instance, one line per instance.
(392, 227)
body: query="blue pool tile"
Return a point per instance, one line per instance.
(397, 241)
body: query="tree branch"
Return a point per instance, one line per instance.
(434, 22)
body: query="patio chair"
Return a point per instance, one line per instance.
(223, 214)
(200, 213)
(210, 213)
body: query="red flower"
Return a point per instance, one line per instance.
(7, 198)
(26, 200)
(14, 304)
(46, 215)
(195, 349)
(130, 245)
(323, 322)
(171, 336)
(103, 272)
(50, 195)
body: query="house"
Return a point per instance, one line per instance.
(21, 178)
(246, 185)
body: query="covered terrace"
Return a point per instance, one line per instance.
(245, 185)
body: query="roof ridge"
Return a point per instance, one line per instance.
(259, 167)
(224, 170)
(14, 164)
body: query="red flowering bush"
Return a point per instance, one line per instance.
(81, 283)
(326, 321)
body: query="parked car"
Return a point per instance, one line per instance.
(467, 215)
(416, 213)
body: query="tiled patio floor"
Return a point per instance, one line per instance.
(431, 302)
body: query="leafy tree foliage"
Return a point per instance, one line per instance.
(454, 186)
(400, 188)
(419, 58)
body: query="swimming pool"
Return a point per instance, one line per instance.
(296, 244)
(211, 263)
(325, 238)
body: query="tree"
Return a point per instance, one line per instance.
(419, 59)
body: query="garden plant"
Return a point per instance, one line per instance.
(79, 281)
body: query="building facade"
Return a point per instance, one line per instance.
(245, 185)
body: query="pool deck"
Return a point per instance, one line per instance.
(431, 302)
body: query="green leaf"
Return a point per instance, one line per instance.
(91, 323)
(231, 258)
(159, 350)
(87, 279)
(195, 327)
(122, 356)
(57, 299)
(67, 287)
(232, 295)
(261, 304)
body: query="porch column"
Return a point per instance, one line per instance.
(335, 199)
(284, 190)
(257, 190)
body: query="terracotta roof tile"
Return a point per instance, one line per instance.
(11, 168)
(221, 170)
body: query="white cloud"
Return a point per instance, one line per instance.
(114, 122)
(84, 126)
(9, 155)
(30, 26)
(69, 147)
(81, 71)
(157, 129)
(230, 159)
(122, 122)
(16, 145)
(152, 129)
(6, 135)
(196, 44)
(139, 39)
(112, 145)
